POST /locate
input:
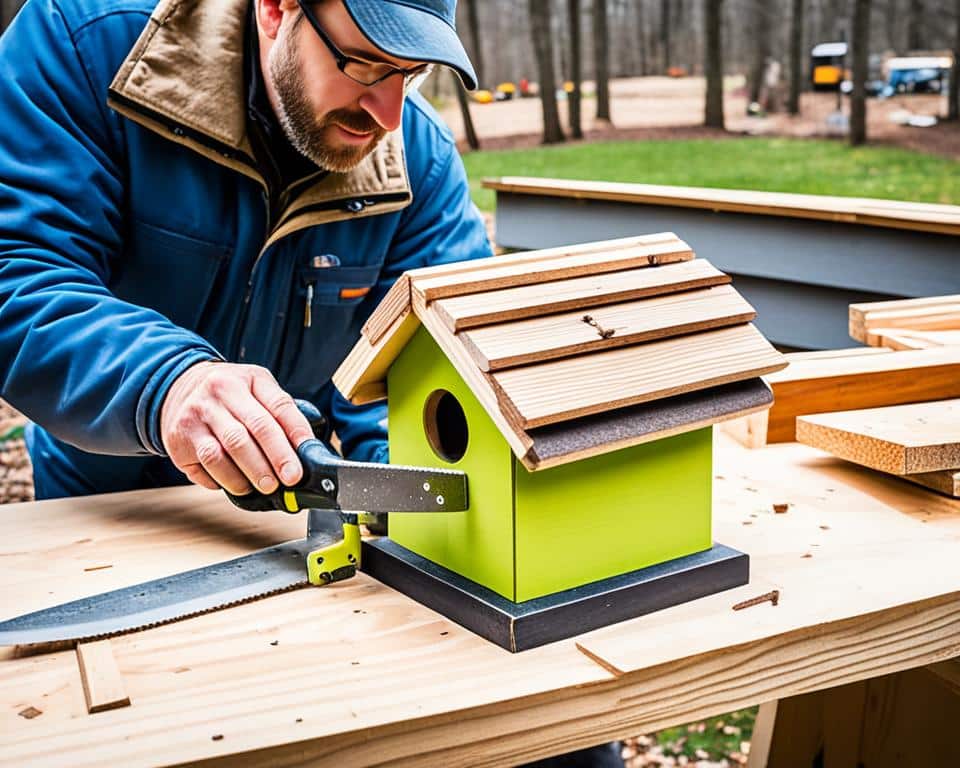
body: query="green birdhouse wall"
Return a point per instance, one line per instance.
(530, 534)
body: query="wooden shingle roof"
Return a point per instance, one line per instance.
(579, 350)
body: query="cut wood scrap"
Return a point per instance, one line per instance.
(900, 439)
(362, 376)
(463, 312)
(928, 313)
(946, 481)
(905, 338)
(824, 354)
(559, 390)
(859, 381)
(522, 272)
(103, 685)
(507, 345)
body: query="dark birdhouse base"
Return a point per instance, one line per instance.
(519, 626)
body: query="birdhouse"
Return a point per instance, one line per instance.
(577, 388)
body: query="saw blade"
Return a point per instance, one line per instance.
(269, 571)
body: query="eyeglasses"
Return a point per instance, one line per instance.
(366, 73)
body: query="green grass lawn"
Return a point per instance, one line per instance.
(776, 165)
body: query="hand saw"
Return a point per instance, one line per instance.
(332, 489)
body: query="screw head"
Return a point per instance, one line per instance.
(426, 486)
(440, 500)
(327, 485)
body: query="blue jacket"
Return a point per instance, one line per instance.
(136, 237)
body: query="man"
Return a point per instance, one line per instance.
(210, 181)
(201, 201)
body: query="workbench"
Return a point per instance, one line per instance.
(800, 260)
(867, 568)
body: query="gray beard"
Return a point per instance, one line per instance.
(297, 117)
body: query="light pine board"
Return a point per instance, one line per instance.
(927, 217)
(559, 390)
(506, 345)
(859, 381)
(524, 272)
(462, 312)
(905, 338)
(402, 685)
(103, 686)
(902, 439)
(361, 377)
(928, 313)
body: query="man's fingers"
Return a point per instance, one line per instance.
(197, 474)
(271, 437)
(282, 407)
(238, 450)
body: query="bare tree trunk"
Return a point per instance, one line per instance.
(475, 42)
(954, 96)
(713, 63)
(761, 47)
(861, 52)
(543, 47)
(641, 39)
(576, 55)
(665, 34)
(796, 57)
(601, 57)
(915, 40)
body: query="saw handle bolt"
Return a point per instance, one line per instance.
(327, 485)
(440, 500)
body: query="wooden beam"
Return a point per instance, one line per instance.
(561, 390)
(900, 439)
(507, 345)
(925, 217)
(463, 312)
(103, 685)
(861, 381)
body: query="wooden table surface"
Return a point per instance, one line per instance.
(868, 569)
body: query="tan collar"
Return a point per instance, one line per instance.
(184, 79)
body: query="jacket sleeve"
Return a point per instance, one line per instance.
(83, 364)
(441, 225)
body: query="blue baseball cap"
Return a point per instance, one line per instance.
(419, 30)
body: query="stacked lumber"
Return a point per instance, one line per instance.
(907, 323)
(554, 340)
(834, 380)
(919, 442)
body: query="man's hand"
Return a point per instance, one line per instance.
(231, 426)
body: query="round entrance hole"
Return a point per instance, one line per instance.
(446, 426)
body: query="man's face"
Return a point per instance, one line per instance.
(329, 118)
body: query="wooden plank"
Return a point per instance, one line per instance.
(507, 345)
(521, 271)
(826, 354)
(475, 266)
(862, 381)
(928, 313)
(559, 390)
(463, 312)
(362, 376)
(393, 305)
(103, 685)
(905, 338)
(900, 439)
(946, 481)
(845, 614)
(762, 736)
(926, 217)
